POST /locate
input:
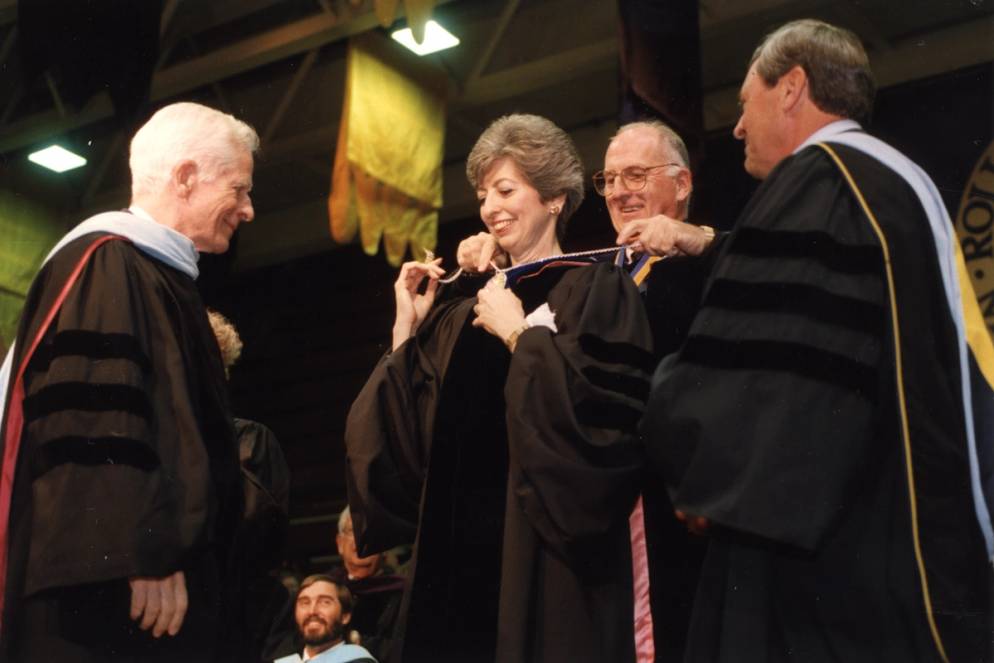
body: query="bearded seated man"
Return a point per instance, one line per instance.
(322, 610)
(377, 593)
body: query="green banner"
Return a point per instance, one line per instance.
(28, 231)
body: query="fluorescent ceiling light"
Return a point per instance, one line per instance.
(57, 158)
(437, 38)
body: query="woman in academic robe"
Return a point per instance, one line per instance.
(498, 434)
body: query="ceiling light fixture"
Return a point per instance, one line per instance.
(57, 158)
(436, 39)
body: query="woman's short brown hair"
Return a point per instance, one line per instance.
(543, 153)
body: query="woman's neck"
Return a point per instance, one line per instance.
(537, 252)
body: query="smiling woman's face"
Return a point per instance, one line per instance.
(514, 213)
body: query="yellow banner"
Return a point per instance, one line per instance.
(387, 178)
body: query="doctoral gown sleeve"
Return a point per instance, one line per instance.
(113, 448)
(389, 428)
(574, 399)
(672, 294)
(261, 455)
(266, 488)
(765, 420)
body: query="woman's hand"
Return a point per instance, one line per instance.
(411, 306)
(475, 253)
(498, 311)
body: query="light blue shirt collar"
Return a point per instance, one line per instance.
(149, 236)
(828, 132)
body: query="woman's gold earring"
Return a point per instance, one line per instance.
(554, 211)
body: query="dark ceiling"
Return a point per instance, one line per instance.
(279, 64)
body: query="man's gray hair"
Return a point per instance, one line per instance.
(181, 131)
(671, 139)
(543, 153)
(833, 58)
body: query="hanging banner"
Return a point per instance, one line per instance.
(387, 177)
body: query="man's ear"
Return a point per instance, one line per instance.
(184, 177)
(684, 184)
(346, 618)
(793, 88)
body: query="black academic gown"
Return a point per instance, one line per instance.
(266, 490)
(514, 474)
(127, 467)
(671, 293)
(779, 421)
(376, 608)
(261, 537)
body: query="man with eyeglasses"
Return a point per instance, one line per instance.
(646, 183)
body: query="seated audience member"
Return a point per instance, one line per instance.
(377, 590)
(322, 610)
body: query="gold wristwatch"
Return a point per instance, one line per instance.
(512, 339)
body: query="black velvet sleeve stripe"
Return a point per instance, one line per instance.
(611, 416)
(86, 396)
(93, 345)
(93, 451)
(633, 387)
(615, 353)
(813, 245)
(796, 358)
(798, 299)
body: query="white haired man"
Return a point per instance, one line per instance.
(356, 567)
(818, 419)
(120, 490)
(377, 588)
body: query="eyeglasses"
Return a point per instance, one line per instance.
(634, 178)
